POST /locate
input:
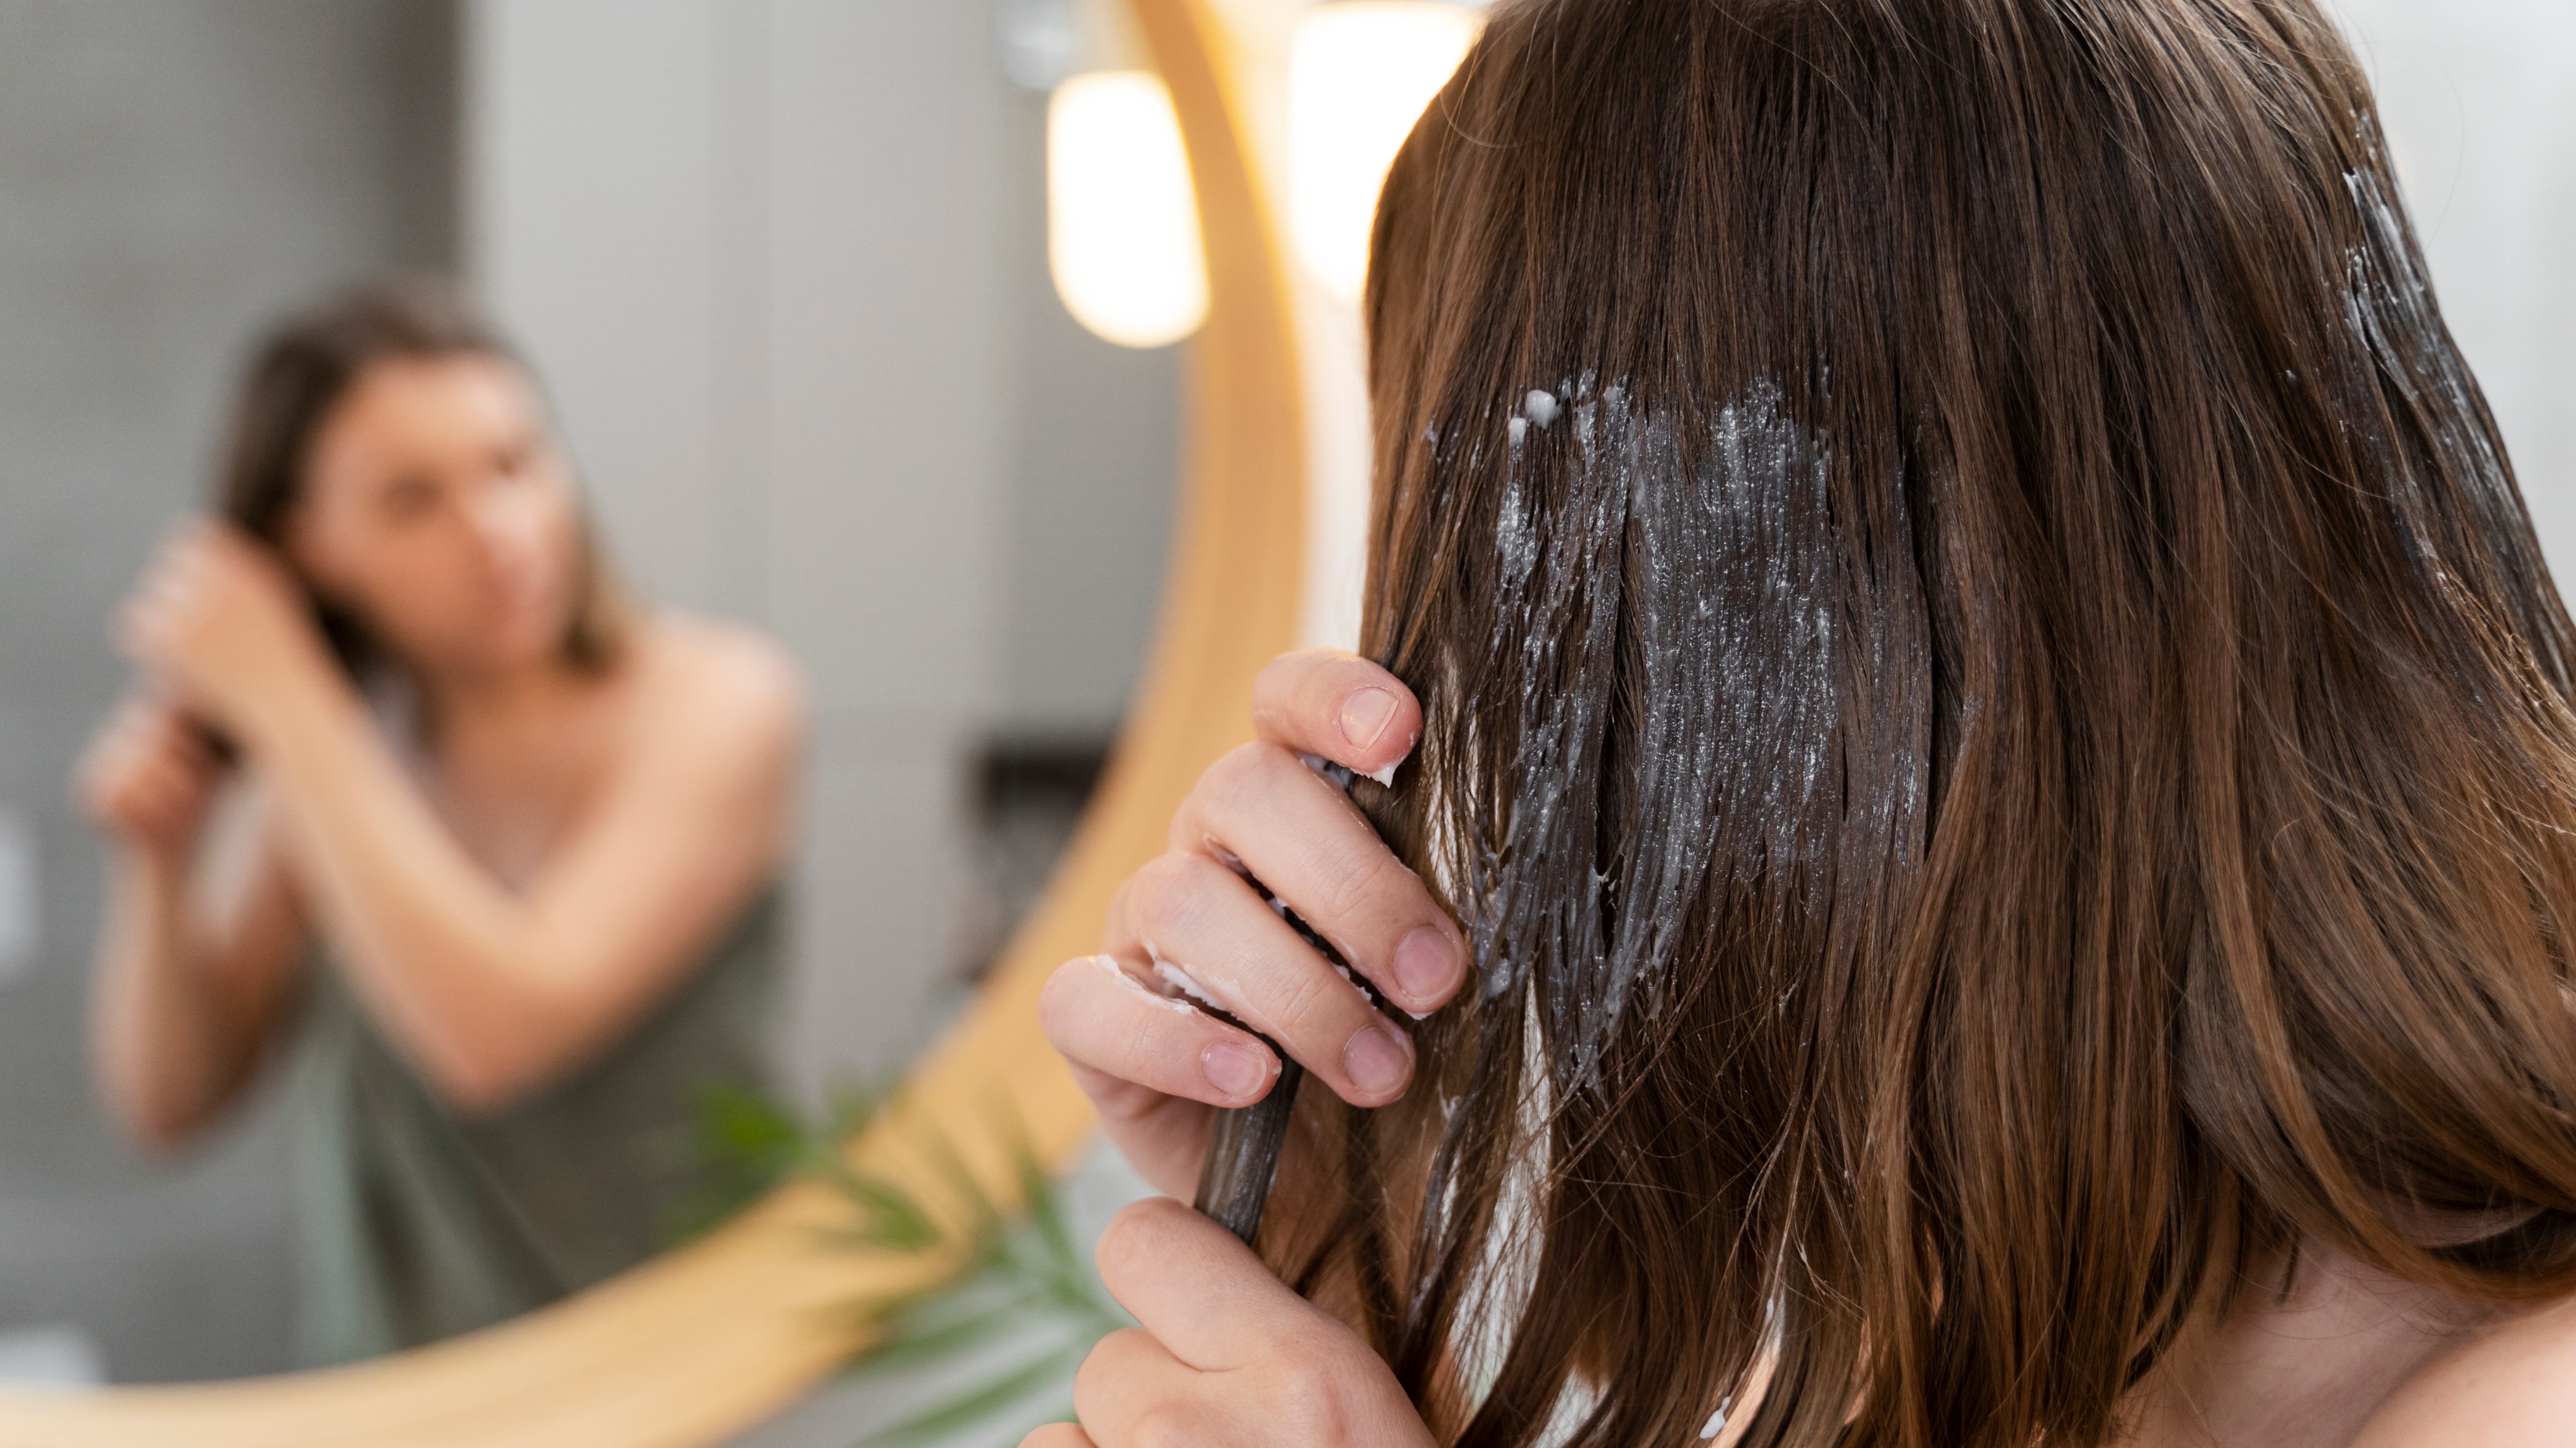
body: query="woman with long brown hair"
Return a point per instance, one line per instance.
(2002, 743)
(407, 783)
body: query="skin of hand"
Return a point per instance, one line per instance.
(1156, 1068)
(147, 777)
(1226, 1353)
(183, 984)
(217, 615)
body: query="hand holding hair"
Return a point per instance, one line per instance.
(1227, 1354)
(217, 616)
(148, 775)
(1155, 1066)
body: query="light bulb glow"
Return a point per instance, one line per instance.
(1360, 73)
(1122, 218)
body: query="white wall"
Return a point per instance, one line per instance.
(776, 259)
(751, 246)
(2479, 101)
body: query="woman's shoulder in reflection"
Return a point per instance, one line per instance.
(711, 684)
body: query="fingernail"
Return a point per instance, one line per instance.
(1233, 1068)
(1426, 963)
(1364, 715)
(1377, 1060)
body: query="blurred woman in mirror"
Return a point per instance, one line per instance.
(404, 778)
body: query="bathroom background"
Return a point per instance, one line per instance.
(785, 264)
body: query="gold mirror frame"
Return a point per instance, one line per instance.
(716, 1336)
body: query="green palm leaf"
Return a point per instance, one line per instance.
(1024, 1274)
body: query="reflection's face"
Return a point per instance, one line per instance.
(437, 509)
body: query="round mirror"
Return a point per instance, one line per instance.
(801, 281)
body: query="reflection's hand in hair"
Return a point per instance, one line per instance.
(147, 776)
(1155, 1067)
(1226, 1354)
(218, 617)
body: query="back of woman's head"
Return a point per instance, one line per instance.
(1991, 708)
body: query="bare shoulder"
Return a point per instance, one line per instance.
(707, 685)
(2514, 1383)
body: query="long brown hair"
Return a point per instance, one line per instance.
(1992, 711)
(299, 373)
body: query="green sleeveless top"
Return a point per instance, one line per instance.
(415, 1223)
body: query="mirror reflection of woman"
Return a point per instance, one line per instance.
(404, 779)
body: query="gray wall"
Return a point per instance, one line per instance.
(170, 175)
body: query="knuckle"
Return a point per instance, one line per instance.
(1305, 1378)
(1185, 830)
(1239, 774)
(1298, 1398)
(1172, 890)
(1134, 1241)
(1327, 674)
(1120, 917)
(1169, 1425)
(1286, 684)
(1132, 1057)
(1147, 1047)
(1082, 1020)
(1284, 668)
(1155, 891)
(1312, 1367)
(1060, 1003)
(1310, 1002)
(1388, 896)
(1351, 879)
(1330, 1419)
(1308, 1388)
(1113, 1255)
(1121, 1239)
(1091, 1379)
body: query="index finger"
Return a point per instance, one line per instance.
(1202, 1294)
(1338, 706)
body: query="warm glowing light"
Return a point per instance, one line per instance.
(1122, 218)
(1359, 76)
